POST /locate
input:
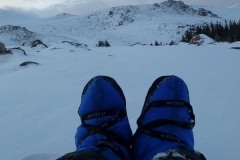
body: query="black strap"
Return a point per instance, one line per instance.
(107, 133)
(160, 135)
(95, 129)
(102, 129)
(161, 122)
(102, 113)
(148, 128)
(105, 144)
(84, 137)
(172, 103)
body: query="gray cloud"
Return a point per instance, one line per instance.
(33, 1)
(19, 12)
(72, 7)
(78, 7)
(217, 3)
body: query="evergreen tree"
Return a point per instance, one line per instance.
(221, 32)
(230, 26)
(226, 28)
(199, 30)
(183, 39)
(226, 32)
(238, 31)
(226, 36)
(188, 36)
(212, 31)
(229, 38)
(217, 38)
(207, 30)
(235, 36)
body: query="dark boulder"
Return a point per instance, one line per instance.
(27, 63)
(38, 42)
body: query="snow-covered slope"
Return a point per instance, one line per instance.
(236, 5)
(38, 113)
(224, 13)
(126, 25)
(11, 35)
(59, 16)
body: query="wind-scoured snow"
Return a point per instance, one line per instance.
(39, 103)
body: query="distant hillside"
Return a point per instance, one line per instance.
(60, 16)
(10, 34)
(127, 25)
(179, 7)
(237, 5)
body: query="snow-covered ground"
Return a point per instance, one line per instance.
(38, 103)
(38, 113)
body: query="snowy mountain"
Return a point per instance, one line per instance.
(178, 7)
(164, 22)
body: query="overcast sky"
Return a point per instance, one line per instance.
(46, 8)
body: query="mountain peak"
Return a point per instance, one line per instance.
(179, 7)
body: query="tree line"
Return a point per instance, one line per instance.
(220, 32)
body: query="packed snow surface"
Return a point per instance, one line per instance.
(39, 103)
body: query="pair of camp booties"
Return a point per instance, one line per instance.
(164, 127)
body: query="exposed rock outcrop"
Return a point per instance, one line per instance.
(27, 63)
(17, 33)
(37, 43)
(181, 8)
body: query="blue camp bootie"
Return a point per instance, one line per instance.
(104, 125)
(166, 120)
